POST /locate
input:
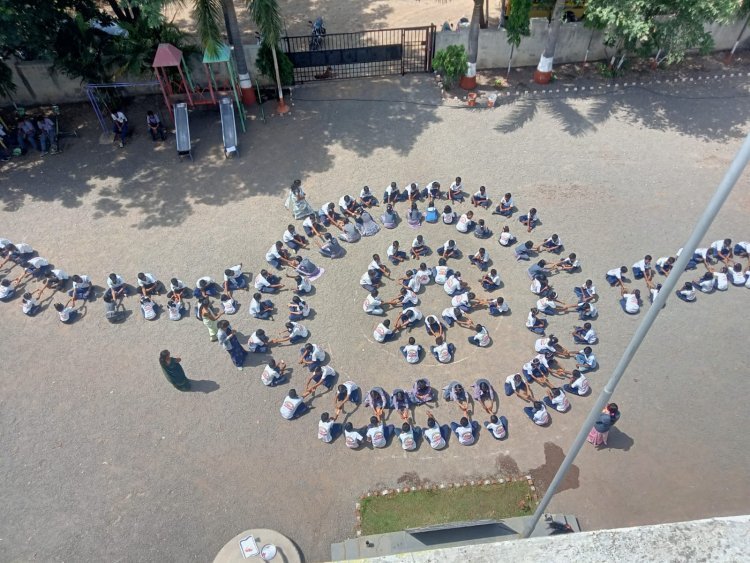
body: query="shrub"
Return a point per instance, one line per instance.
(265, 65)
(451, 63)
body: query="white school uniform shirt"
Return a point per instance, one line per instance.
(287, 236)
(119, 117)
(495, 279)
(478, 193)
(210, 280)
(465, 435)
(582, 384)
(84, 283)
(374, 266)
(461, 299)
(414, 285)
(448, 218)
(589, 360)
(510, 380)
(28, 305)
(304, 285)
(497, 430)
(174, 310)
(261, 282)
(416, 244)
(530, 320)
(149, 311)
(688, 294)
(429, 187)
(391, 251)
(414, 314)
(5, 291)
(707, 286)
(299, 330)
(371, 303)
(441, 274)
(702, 252)
(272, 254)
(544, 303)
(590, 335)
(721, 281)
(65, 314)
(4, 241)
(308, 222)
(150, 278)
(230, 306)
(353, 439)
(305, 308)
(536, 286)
(747, 283)
(268, 375)
(343, 204)
(501, 307)
(505, 238)
(462, 226)
(61, 275)
(410, 298)
(423, 276)
(631, 302)
(450, 312)
(451, 285)
(542, 345)
(571, 263)
(412, 353)
(365, 279)
(324, 431)
(641, 265)
(434, 437)
(443, 354)
(254, 342)
(23, 248)
(717, 245)
(389, 189)
(381, 332)
(561, 402)
(744, 245)
(482, 338)
(317, 354)
(483, 257)
(507, 202)
(118, 282)
(542, 360)
(661, 262)
(289, 406)
(616, 273)
(541, 417)
(236, 272)
(38, 262)
(363, 193)
(377, 436)
(528, 367)
(455, 188)
(738, 278)
(255, 307)
(407, 440)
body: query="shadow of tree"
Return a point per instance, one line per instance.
(149, 182)
(694, 115)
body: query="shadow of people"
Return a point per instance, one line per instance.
(203, 386)
(618, 440)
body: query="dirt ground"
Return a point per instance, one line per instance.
(353, 15)
(104, 460)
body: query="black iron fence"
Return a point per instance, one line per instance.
(361, 53)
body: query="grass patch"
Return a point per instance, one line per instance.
(415, 509)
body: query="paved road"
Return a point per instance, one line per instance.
(104, 460)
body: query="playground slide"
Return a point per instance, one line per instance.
(228, 127)
(182, 130)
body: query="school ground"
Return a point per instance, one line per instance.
(104, 460)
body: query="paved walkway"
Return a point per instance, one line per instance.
(104, 460)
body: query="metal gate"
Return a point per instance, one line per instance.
(362, 53)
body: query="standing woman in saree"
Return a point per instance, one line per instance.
(209, 318)
(230, 343)
(296, 201)
(173, 371)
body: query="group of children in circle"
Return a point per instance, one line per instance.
(720, 260)
(538, 369)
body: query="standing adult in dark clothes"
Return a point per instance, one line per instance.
(173, 371)
(607, 419)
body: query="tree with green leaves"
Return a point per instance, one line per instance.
(664, 28)
(517, 25)
(267, 16)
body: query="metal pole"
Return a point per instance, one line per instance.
(704, 222)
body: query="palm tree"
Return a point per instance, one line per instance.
(267, 16)
(543, 72)
(208, 15)
(470, 80)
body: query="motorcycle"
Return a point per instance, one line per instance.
(318, 34)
